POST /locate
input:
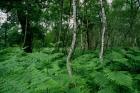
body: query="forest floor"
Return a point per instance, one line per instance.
(45, 71)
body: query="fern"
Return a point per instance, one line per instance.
(45, 72)
(120, 78)
(118, 71)
(38, 72)
(108, 89)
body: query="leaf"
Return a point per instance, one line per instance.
(100, 79)
(107, 90)
(120, 78)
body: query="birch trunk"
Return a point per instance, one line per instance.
(104, 24)
(71, 50)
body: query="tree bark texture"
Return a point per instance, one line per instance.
(71, 50)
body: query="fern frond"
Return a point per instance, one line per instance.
(121, 78)
(108, 89)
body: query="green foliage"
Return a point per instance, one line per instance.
(119, 73)
(45, 72)
(38, 72)
(120, 78)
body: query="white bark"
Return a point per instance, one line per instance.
(104, 24)
(69, 68)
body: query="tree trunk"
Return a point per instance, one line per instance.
(69, 68)
(60, 25)
(87, 33)
(81, 40)
(104, 24)
(26, 31)
(5, 37)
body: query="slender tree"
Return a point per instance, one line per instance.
(104, 24)
(6, 28)
(61, 20)
(71, 50)
(26, 31)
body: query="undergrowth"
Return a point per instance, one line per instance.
(45, 72)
